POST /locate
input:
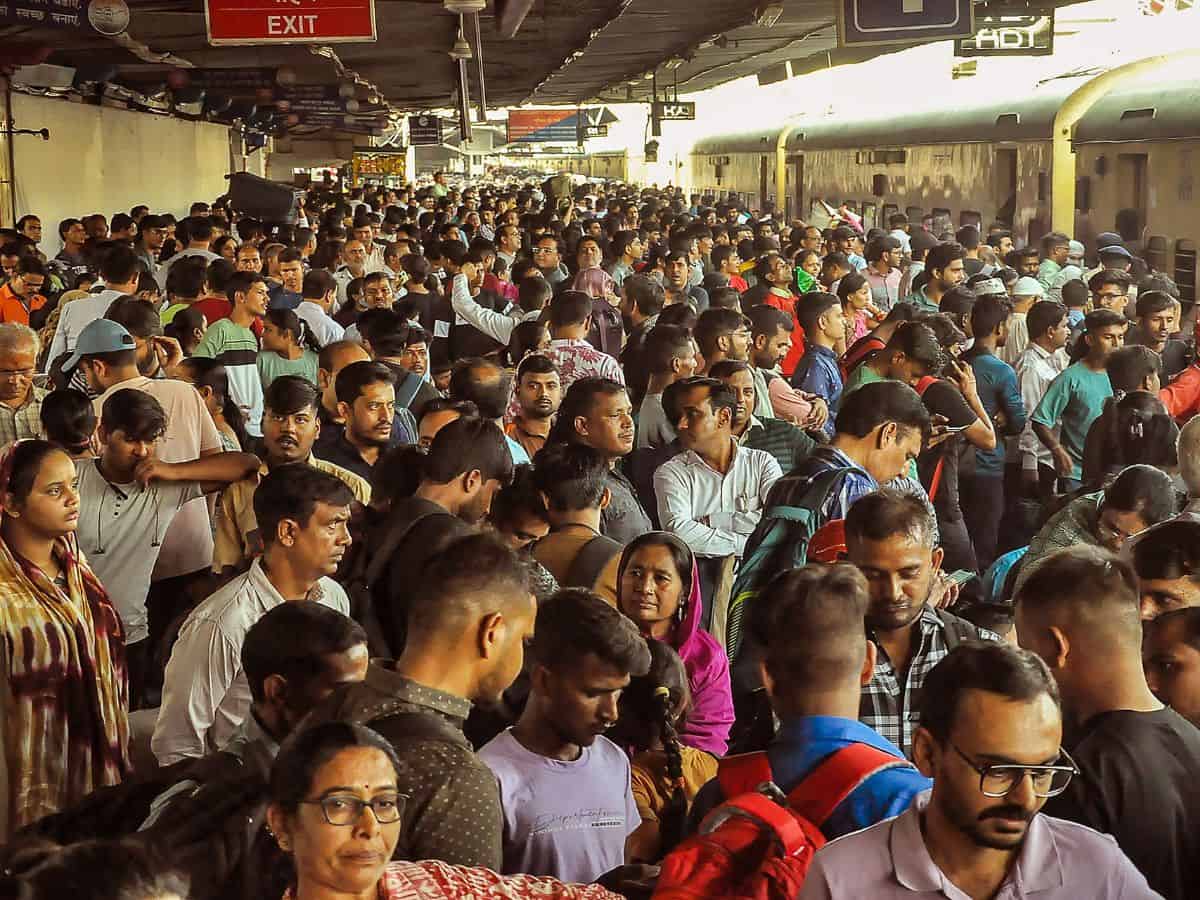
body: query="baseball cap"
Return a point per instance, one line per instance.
(1028, 287)
(99, 336)
(1107, 239)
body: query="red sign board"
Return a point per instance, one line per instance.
(289, 21)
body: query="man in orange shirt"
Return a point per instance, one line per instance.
(20, 296)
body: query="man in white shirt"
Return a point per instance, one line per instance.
(355, 255)
(1043, 360)
(319, 296)
(302, 516)
(119, 272)
(200, 235)
(712, 494)
(496, 325)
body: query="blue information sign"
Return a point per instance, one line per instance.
(866, 22)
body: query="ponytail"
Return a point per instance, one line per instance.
(673, 818)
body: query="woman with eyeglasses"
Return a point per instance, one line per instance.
(1139, 497)
(337, 808)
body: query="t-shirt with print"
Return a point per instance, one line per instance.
(944, 399)
(121, 527)
(567, 819)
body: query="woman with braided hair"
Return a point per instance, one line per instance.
(665, 774)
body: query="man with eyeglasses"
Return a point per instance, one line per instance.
(1138, 760)
(20, 398)
(1110, 289)
(21, 297)
(990, 737)
(546, 257)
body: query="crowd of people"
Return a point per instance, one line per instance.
(498, 539)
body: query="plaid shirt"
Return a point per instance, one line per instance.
(25, 421)
(892, 707)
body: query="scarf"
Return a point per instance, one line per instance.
(434, 880)
(64, 689)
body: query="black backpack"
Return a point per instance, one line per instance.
(607, 331)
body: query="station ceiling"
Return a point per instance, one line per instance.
(564, 52)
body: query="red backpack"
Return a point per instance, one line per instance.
(759, 845)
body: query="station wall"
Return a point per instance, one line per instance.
(101, 159)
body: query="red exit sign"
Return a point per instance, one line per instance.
(289, 21)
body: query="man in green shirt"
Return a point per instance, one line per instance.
(1056, 247)
(231, 343)
(1076, 397)
(911, 354)
(945, 266)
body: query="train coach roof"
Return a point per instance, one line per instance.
(1146, 112)
(761, 140)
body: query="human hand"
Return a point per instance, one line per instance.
(1063, 464)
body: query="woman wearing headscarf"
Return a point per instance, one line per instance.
(658, 587)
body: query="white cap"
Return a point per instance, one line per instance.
(1028, 287)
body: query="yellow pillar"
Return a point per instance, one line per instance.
(781, 173)
(1072, 110)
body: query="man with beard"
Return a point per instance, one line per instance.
(539, 392)
(1137, 759)
(366, 396)
(990, 737)
(467, 463)
(890, 537)
(290, 427)
(678, 269)
(555, 765)
(945, 266)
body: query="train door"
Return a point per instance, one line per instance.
(1132, 185)
(1004, 180)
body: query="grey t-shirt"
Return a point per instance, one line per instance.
(121, 527)
(568, 820)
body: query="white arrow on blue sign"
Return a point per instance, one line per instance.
(865, 22)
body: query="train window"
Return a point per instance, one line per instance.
(1156, 253)
(1185, 270)
(869, 215)
(1147, 113)
(1083, 193)
(851, 205)
(970, 217)
(889, 209)
(1043, 191)
(915, 214)
(942, 221)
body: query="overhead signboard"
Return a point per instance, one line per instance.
(378, 164)
(1030, 35)
(535, 126)
(107, 17)
(678, 111)
(592, 131)
(424, 130)
(869, 22)
(275, 22)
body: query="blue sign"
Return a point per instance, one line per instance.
(866, 22)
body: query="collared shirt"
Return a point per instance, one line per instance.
(343, 454)
(891, 702)
(1036, 369)
(922, 301)
(235, 527)
(885, 289)
(715, 513)
(188, 544)
(620, 270)
(818, 373)
(17, 309)
(1058, 860)
(653, 429)
(578, 359)
(496, 325)
(74, 317)
(205, 693)
(1047, 271)
(25, 421)
(453, 809)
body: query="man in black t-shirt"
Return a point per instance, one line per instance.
(1139, 761)
(956, 399)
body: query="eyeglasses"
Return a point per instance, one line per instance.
(1108, 534)
(342, 811)
(1110, 295)
(999, 779)
(545, 250)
